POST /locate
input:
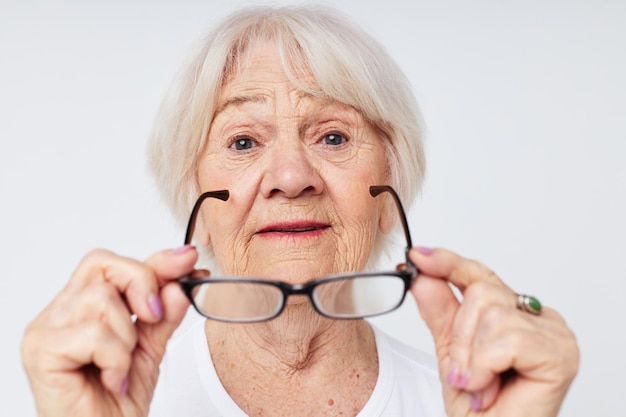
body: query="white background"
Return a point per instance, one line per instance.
(524, 103)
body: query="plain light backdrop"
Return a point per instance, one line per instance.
(524, 103)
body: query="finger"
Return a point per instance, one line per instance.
(134, 280)
(528, 344)
(156, 335)
(480, 287)
(485, 398)
(436, 302)
(492, 324)
(478, 298)
(442, 263)
(153, 338)
(173, 304)
(99, 302)
(172, 264)
(97, 345)
(437, 305)
(139, 282)
(169, 266)
(505, 353)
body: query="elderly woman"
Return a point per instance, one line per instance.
(291, 131)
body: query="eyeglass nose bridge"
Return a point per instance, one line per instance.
(305, 289)
(298, 289)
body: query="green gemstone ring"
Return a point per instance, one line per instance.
(528, 304)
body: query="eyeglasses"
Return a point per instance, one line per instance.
(347, 296)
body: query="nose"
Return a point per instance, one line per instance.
(290, 171)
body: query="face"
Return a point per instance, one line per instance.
(298, 169)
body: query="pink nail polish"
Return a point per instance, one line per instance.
(453, 375)
(155, 305)
(183, 249)
(424, 250)
(475, 402)
(124, 386)
(463, 380)
(458, 379)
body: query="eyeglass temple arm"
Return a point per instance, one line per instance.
(376, 190)
(221, 195)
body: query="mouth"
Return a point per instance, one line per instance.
(294, 228)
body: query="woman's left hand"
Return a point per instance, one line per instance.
(494, 359)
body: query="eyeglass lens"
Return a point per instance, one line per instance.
(352, 297)
(238, 301)
(359, 296)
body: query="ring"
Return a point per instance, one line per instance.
(529, 304)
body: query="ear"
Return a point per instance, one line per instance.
(387, 215)
(201, 235)
(205, 239)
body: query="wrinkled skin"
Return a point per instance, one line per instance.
(298, 168)
(494, 360)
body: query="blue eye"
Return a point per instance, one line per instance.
(243, 144)
(334, 139)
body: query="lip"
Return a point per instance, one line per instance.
(294, 229)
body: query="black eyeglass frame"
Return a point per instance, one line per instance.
(407, 271)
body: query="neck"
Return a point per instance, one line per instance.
(298, 353)
(297, 340)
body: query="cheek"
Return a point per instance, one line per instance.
(228, 221)
(369, 169)
(222, 225)
(359, 218)
(356, 245)
(213, 175)
(231, 237)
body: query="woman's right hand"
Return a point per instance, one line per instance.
(85, 356)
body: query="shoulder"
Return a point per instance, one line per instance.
(409, 377)
(182, 347)
(403, 356)
(181, 387)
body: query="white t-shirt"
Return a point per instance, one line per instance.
(408, 382)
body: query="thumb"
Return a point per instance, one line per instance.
(170, 303)
(151, 345)
(156, 335)
(437, 306)
(170, 306)
(436, 302)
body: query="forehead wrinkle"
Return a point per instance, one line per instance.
(240, 100)
(303, 102)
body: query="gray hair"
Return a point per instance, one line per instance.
(348, 65)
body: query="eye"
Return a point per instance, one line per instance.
(242, 144)
(334, 139)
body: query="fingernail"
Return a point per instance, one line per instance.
(155, 305)
(453, 375)
(456, 378)
(475, 401)
(183, 249)
(463, 380)
(424, 250)
(124, 387)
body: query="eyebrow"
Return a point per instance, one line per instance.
(240, 100)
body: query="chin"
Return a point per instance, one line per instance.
(292, 272)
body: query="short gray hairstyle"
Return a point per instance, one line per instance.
(348, 65)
